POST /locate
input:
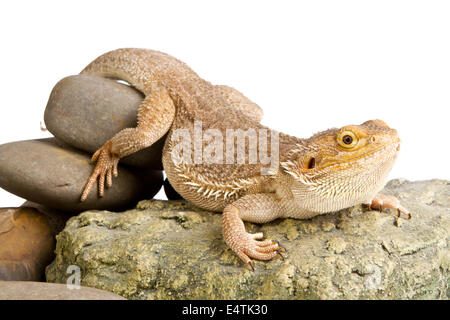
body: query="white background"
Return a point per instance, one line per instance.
(310, 65)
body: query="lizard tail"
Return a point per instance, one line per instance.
(122, 64)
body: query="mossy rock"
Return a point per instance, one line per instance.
(172, 250)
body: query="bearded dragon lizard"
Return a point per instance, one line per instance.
(330, 171)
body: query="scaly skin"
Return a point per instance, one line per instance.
(332, 170)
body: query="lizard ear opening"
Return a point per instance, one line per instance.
(312, 163)
(300, 166)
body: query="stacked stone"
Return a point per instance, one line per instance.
(82, 113)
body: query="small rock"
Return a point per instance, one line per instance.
(53, 174)
(29, 290)
(56, 218)
(27, 244)
(86, 111)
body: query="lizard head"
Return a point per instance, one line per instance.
(347, 166)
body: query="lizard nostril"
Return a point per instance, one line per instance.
(373, 139)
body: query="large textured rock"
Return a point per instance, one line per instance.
(52, 174)
(170, 250)
(29, 290)
(86, 111)
(27, 243)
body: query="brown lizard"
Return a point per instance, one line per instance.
(330, 171)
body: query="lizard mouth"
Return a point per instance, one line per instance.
(380, 154)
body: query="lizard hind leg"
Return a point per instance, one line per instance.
(259, 208)
(155, 117)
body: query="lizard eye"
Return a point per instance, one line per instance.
(347, 139)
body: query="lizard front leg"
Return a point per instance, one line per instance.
(259, 208)
(155, 117)
(381, 201)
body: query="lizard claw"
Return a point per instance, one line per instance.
(281, 248)
(105, 169)
(382, 201)
(280, 255)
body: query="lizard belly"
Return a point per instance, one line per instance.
(211, 186)
(188, 187)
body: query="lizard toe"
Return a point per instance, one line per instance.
(253, 253)
(267, 249)
(281, 248)
(257, 236)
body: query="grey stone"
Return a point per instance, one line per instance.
(86, 111)
(29, 290)
(171, 250)
(52, 174)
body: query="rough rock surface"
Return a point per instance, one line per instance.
(27, 244)
(28, 290)
(54, 174)
(170, 250)
(95, 109)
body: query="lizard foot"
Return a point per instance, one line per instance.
(105, 168)
(247, 245)
(382, 201)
